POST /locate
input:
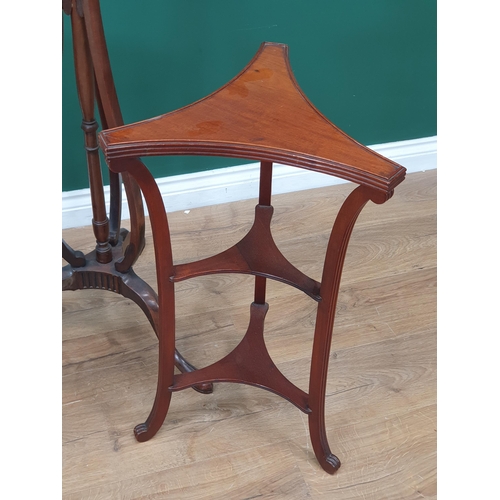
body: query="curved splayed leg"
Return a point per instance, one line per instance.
(332, 271)
(166, 296)
(166, 355)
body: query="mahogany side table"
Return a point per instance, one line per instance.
(260, 115)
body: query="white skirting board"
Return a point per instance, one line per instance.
(200, 189)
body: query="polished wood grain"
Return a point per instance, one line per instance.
(261, 114)
(242, 442)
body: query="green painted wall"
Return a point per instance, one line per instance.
(368, 65)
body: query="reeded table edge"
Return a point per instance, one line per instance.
(115, 152)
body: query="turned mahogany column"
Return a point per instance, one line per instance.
(109, 265)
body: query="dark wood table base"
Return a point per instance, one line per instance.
(109, 266)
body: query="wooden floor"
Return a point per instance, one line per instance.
(242, 442)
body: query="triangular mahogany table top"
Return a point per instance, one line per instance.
(260, 115)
